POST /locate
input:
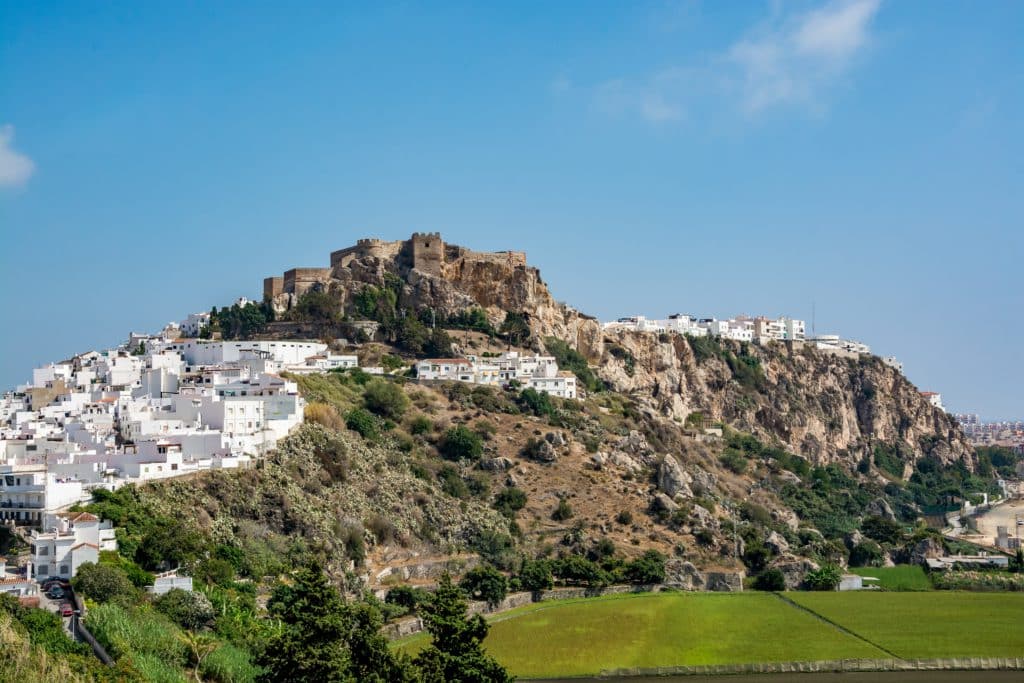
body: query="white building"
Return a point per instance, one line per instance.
(29, 492)
(70, 539)
(934, 399)
(194, 324)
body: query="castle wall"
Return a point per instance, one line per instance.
(298, 281)
(427, 252)
(272, 286)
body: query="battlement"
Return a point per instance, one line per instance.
(272, 286)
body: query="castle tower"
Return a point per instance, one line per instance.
(427, 252)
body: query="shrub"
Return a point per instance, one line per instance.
(452, 483)
(461, 443)
(825, 578)
(363, 422)
(385, 399)
(770, 580)
(563, 511)
(625, 517)
(882, 530)
(406, 596)
(485, 583)
(103, 582)
(189, 609)
(537, 402)
(325, 414)
(572, 360)
(579, 570)
(421, 424)
(509, 501)
(866, 554)
(734, 461)
(648, 568)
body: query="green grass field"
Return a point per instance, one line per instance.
(904, 577)
(924, 625)
(583, 637)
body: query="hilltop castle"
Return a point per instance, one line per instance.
(424, 252)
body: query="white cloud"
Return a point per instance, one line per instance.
(789, 59)
(801, 57)
(15, 168)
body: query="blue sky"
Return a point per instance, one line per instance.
(860, 156)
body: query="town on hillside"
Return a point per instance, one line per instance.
(169, 405)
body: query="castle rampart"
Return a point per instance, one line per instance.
(424, 251)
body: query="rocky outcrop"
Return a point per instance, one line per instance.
(822, 406)
(685, 576)
(672, 480)
(793, 569)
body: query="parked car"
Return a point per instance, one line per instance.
(56, 593)
(66, 610)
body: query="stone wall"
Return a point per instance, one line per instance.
(298, 281)
(427, 252)
(272, 286)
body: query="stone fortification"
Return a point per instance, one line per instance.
(445, 278)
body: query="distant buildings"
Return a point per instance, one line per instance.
(536, 372)
(1007, 433)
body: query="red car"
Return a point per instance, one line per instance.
(66, 610)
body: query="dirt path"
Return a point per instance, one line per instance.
(1001, 515)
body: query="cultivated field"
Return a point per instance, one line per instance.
(904, 577)
(924, 625)
(584, 637)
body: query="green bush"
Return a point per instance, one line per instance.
(509, 501)
(103, 582)
(647, 569)
(362, 422)
(866, 554)
(537, 402)
(770, 580)
(563, 511)
(452, 483)
(825, 578)
(189, 609)
(625, 517)
(882, 530)
(421, 424)
(733, 461)
(385, 399)
(461, 443)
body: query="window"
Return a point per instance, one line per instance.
(43, 550)
(42, 571)
(65, 569)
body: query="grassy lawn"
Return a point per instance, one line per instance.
(575, 638)
(924, 625)
(904, 577)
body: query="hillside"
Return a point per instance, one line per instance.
(812, 445)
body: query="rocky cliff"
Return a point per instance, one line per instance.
(427, 274)
(822, 406)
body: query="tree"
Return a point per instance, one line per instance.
(456, 653)
(199, 647)
(189, 609)
(646, 569)
(386, 399)
(311, 644)
(882, 530)
(461, 443)
(866, 554)
(515, 328)
(536, 575)
(825, 578)
(537, 402)
(102, 582)
(485, 583)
